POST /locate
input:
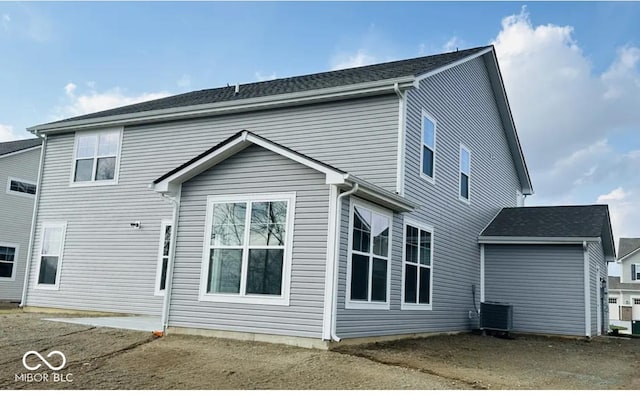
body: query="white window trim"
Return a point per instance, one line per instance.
(72, 182)
(15, 260)
(16, 193)
(163, 224)
(460, 197)
(358, 304)
(637, 264)
(435, 145)
(282, 300)
(52, 224)
(430, 229)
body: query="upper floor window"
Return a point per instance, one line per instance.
(96, 156)
(428, 154)
(368, 261)
(635, 272)
(16, 186)
(248, 250)
(465, 172)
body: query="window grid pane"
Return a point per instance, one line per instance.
(264, 273)
(268, 222)
(427, 161)
(23, 187)
(228, 225)
(225, 267)
(464, 186)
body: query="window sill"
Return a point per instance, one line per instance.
(7, 279)
(358, 305)
(23, 194)
(431, 180)
(245, 299)
(80, 184)
(47, 287)
(463, 200)
(416, 306)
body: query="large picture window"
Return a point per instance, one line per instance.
(8, 256)
(51, 248)
(96, 156)
(417, 275)
(368, 263)
(428, 147)
(248, 248)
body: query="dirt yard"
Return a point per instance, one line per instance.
(100, 358)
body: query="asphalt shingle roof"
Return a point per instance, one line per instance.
(549, 221)
(614, 283)
(628, 245)
(330, 79)
(18, 145)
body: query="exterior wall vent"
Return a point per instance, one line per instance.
(496, 316)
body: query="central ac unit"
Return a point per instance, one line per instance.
(496, 316)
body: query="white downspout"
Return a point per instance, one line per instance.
(587, 290)
(336, 260)
(172, 253)
(34, 218)
(401, 140)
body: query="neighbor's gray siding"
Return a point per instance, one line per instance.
(544, 283)
(108, 266)
(596, 261)
(463, 104)
(255, 170)
(15, 215)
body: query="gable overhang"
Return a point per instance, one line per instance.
(170, 183)
(372, 88)
(21, 151)
(628, 254)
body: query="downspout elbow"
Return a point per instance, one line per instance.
(336, 259)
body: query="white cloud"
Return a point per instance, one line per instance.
(453, 44)
(69, 88)
(93, 101)
(7, 133)
(346, 61)
(569, 116)
(265, 77)
(184, 81)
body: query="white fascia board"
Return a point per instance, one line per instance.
(381, 196)
(451, 65)
(251, 104)
(169, 184)
(22, 151)
(535, 240)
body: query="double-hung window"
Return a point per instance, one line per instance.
(417, 273)
(8, 256)
(248, 247)
(635, 272)
(428, 147)
(163, 256)
(465, 173)
(96, 157)
(51, 248)
(16, 186)
(369, 253)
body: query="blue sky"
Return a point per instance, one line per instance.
(572, 70)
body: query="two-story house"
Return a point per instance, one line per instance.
(338, 205)
(19, 163)
(624, 291)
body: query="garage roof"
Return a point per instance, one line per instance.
(553, 223)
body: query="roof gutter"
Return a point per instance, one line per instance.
(535, 240)
(233, 106)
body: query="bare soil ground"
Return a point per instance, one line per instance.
(101, 358)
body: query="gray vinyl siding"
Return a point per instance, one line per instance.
(255, 170)
(596, 261)
(107, 266)
(16, 213)
(544, 283)
(463, 104)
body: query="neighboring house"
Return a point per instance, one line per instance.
(624, 291)
(550, 263)
(338, 205)
(19, 163)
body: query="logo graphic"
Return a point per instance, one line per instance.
(37, 354)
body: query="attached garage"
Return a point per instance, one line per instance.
(550, 264)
